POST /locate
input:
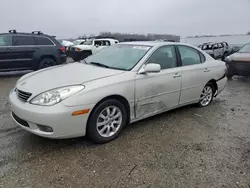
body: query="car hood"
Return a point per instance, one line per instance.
(83, 46)
(64, 75)
(240, 57)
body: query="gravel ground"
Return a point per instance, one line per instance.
(187, 147)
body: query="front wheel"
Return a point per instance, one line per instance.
(207, 95)
(106, 121)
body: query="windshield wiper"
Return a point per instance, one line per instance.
(99, 64)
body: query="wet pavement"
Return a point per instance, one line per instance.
(187, 147)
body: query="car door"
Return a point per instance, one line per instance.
(195, 74)
(101, 44)
(220, 49)
(216, 51)
(24, 47)
(7, 54)
(155, 92)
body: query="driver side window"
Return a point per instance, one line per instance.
(164, 56)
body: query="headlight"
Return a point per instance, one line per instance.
(55, 96)
(78, 49)
(228, 58)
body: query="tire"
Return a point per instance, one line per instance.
(229, 74)
(108, 128)
(85, 54)
(46, 62)
(207, 95)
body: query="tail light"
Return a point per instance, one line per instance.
(62, 49)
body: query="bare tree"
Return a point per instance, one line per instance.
(138, 37)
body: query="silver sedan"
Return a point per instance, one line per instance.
(119, 85)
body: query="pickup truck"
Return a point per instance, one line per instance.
(90, 47)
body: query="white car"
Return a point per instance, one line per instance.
(90, 47)
(121, 84)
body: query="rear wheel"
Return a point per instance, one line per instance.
(47, 62)
(207, 95)
(107, 121)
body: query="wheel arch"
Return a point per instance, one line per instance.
(47, 56)
(119, 98)
(213, 81)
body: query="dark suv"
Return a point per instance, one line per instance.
(29, 51)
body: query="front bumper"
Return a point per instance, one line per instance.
(58, 117)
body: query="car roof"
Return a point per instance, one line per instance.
(27, 34)
(106, 39)
(154, 43)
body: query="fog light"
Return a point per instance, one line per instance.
(45, 128)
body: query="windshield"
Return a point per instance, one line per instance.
(245, 49)
(123, 57)
(89, 42)
(75, 42)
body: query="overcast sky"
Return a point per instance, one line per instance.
(71, 18)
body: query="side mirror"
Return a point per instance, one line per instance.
(96, 45)
(150, 68)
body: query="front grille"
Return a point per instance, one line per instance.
(23, 96)
(20, 121)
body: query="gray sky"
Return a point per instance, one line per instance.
(65, 18)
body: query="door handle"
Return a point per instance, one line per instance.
(206, 70)
(176, 75)
(8, 49)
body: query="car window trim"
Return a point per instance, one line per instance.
(28, 45)
(200, 53)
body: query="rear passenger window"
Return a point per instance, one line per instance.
(5, 40)
(23, 41)
(105, 43)
(189, 56)
(43, 41)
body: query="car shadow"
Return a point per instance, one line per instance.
(81, 142)
(13, 73)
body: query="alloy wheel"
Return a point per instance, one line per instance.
(206, 95)
(109, 121)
